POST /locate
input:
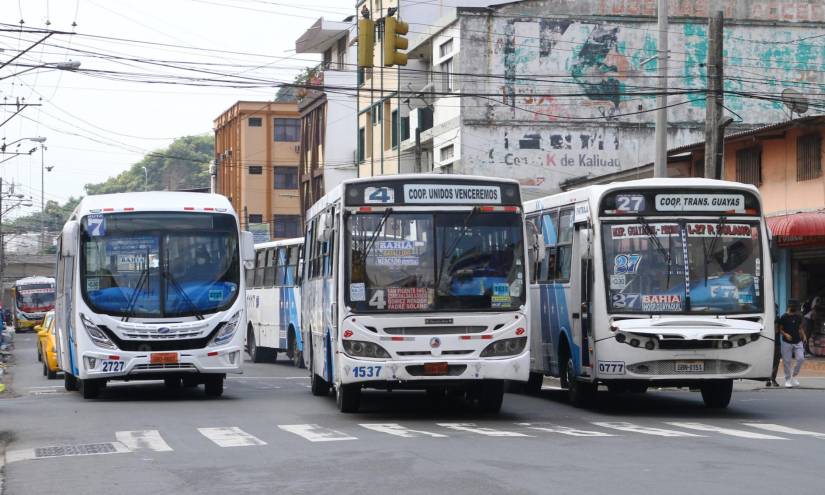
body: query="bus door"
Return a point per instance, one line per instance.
(582, 289)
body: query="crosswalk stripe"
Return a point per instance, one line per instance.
(725, 431)
(316, 433)
(143, 440)
(490, 432)
(646, 430)
(565, 430)
(400, 431)
(785, 429)
(230, 436)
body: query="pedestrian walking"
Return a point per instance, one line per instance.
(777, 348)
(793, 336)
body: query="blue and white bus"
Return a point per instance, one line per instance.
(663, 282)
(416, 281)
(150, 287)
(273, 302)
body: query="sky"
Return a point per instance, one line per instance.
(97, 124)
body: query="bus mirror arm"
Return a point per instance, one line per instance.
(536, 246)
(247, 248)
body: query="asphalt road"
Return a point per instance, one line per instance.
(268, 434)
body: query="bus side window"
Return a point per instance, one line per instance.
(250, 274)
(269, 273)
(564, 247)
(549, 229)
(329, 246)
(535, 266)
(280, 271)
(260, 263)
(291, 271)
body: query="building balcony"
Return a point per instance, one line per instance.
(322, 35)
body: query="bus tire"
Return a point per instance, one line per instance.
(69, 382)
(295, 354)
(257, 354)
(51, 375)
(580, 394)
(717, 393)
(213, 385)
(318, 386)
(190, 382)
(172, 383)
(348, 397)
(534, 383)
(90, 388)
(491, 395)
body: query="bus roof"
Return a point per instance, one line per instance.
(152, 201)
(337, 192)
(33, 280)
(279, 243)
(595, 192)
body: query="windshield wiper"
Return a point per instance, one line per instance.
(449, 252)
(165, 273)
(713, 242)
(144, 275)
(377, 231)
(651, 235)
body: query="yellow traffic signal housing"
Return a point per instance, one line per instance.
(393, 41)
(366, 42)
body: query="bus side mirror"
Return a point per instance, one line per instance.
(327, 223)
(300, 275)
(248, 249)
(69, 236)
(586, 249)
(536, 245)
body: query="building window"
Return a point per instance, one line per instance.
(256, 218)
(255, 170)
(445, 48)
(425, 118)
(446, 153)
(361, 76)
(447, 83)
(808, 157)
(749, 166)
(377, 113)
(405, 128)
(286, 177)
(361, 144)
(286, 225)
(394, 130)
(446, 169)
(342, 52)
(327, 58)
(255, 122)
(287, 129)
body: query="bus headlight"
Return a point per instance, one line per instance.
(361, 348)
(227, 331)
(505, 347)
(99, 338)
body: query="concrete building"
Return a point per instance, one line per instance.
(549, 90)
(328, 130)
(256, 150)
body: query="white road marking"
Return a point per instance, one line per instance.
(316, 433)
(143, 440)
(400, 431)
(490, 432)
(785, 429)
(725, 431)
(646, 430)
(29, 454)
(230, 436)
(565, 430)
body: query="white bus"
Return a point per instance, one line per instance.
(32, 298)
(150, 287)
(273, 302)
(662, 282)
(416, 281)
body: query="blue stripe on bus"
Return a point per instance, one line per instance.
(555, 323)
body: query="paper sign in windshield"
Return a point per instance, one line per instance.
(397, 253)
(408, 298)
(357, 292)
(131, 245)
(634, 231)
(737, 230)
(662, 302)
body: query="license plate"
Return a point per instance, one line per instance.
(690, 366)
(436, 369)
(164, 358)
(111, 366)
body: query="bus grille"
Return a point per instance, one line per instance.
(143, 345)
(429, 353)
(434, 330)
(170, 366)
(668, 367)
(680, 344)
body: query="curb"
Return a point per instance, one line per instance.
(5, 439)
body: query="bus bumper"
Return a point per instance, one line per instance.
(385, 373)
(620, 361)
(143, 366)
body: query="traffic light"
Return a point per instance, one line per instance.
(393, 41)
(366, 42)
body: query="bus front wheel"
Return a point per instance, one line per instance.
(213, 385)
(257, 354)
(348, 397)
(579, 393)
(717, 393)
(318, 386)
(91, 388)
(491, 395)
(69, 382)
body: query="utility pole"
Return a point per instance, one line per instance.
(42, 199)
(660, 164)
(714, 98)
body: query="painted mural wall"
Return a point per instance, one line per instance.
(573, 94)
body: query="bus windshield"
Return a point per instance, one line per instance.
(707, 267)
(463, 260)
(35, 298)
(156, 265)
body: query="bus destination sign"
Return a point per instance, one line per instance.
(452, 193)
(701, 202)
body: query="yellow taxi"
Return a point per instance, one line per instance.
(46, 350)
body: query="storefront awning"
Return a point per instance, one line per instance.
(798, 229)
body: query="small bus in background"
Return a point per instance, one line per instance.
(655, 282)
(150, 287)
(32, 298)
(273, 302)
(419, 282)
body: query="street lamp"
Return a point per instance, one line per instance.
(69, 65)
(145, 179)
